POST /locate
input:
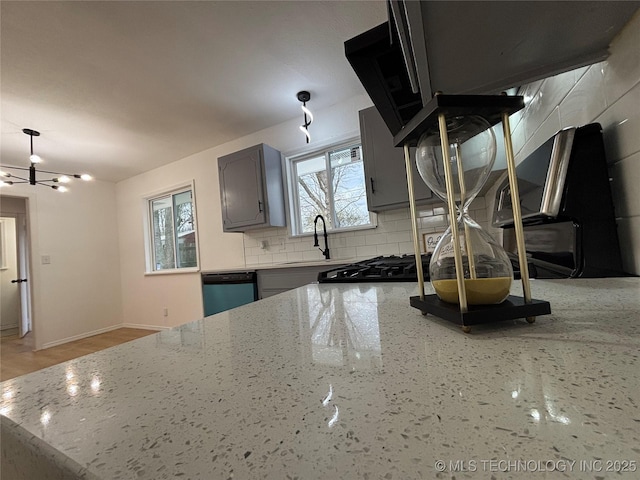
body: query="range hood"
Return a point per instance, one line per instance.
(477, 47)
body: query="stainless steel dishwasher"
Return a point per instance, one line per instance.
(224, 291)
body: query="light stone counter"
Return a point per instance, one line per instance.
(331, 263)
(346, 382)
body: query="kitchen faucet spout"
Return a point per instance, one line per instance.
(325, 252)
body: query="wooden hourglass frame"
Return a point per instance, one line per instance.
(494, 109)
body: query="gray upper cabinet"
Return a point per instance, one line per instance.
(384, 167)
(251, 189)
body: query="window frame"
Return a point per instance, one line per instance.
(147, 205)
(292, 200)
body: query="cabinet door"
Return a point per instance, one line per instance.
(241, 189)
(384, 167)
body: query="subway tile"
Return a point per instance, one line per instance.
(387, 249)
(621, 124)
(343, 252)
(301, 247)
(440, 209)
(396, 214)
(586, 100)
(397, 237)
(622, 70)
(367, 250)
(268, 258)
(405, 248)
(433, 222)
(552, 92)
(376, 239)
(579, 72)
(545, 131)
(624, 187)
(294, 257)
(312, 255)
(529, 92)
(279, 257)
(338, 241)
(356, 241)
(629, 236)
(517, 137)
(425, 211)
(251, 259)
(399, 226)
(250, 241)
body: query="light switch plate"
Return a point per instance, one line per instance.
(46, 259)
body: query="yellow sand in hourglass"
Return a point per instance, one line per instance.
(480, 291)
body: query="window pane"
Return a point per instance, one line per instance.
(185, 230)
(163, 253)
(349, 192)
(313, 192)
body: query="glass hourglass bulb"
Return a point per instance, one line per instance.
(486, 267)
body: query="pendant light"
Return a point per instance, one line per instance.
(304, 97)
(56, 181)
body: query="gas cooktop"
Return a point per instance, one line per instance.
(379, 269)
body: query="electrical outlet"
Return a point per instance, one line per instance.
(165, 312)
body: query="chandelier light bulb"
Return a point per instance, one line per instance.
(4, 174)
(60, 188)
(62, 179)
(86, 177)
(35, 159)
(5, 184)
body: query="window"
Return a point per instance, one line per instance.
(328, 183)
(172, 235)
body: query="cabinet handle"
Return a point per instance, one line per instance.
(373, 190)
(259, 206)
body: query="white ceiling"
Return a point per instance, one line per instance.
(119, 88)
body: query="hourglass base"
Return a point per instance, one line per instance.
(513, 307)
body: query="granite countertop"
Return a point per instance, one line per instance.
(349, 381)
(294, 264)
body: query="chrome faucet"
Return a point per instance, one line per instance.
(325, 252)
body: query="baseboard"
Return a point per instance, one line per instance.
(9, 327)
(144, 327)
(99, 331)
(55, 343)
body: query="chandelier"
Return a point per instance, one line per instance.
(56, 180)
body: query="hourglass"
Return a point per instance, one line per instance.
(469, 271)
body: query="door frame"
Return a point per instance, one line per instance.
(25, 258)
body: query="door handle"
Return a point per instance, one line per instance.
(373, 190)
(259, 206)
(19, 280)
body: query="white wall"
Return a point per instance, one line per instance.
(145, 297)
(79, 292)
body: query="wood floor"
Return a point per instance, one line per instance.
(18, 358)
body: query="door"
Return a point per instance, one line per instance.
(16, 309)
(14, 314)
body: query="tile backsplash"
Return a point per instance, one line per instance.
(607, 93)
(392, 236)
